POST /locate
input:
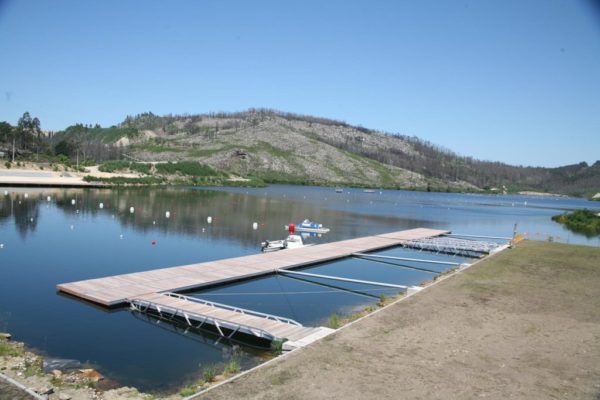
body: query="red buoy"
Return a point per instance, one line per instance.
(153, 242)
(291, 228)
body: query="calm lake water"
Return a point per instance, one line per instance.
(49, 242)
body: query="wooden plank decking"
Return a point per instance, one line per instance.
(118, 289)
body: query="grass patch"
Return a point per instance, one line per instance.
(119, 180)
(334, 321)
(9, 350)
(209, 373)
(188, 391)
(232, 367)
(286, 178)
(153, 146)
(274, 151)
(382, 300)
(203, 152)
(122, 165)
(189, 168)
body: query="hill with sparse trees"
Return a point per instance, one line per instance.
(283, 147)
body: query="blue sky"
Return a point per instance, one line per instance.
(512, 81)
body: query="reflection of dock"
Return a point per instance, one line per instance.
(148, 291)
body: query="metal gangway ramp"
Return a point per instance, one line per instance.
(228, 320)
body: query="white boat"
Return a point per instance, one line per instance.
(309, 226)
(291, 242)
(339, 190)
(369, 191)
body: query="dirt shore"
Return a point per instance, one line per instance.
(524, 324)
(44, 175)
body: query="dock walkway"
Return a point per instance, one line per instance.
(119, 289)
(152, 291)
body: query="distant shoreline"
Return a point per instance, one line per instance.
(542, 194)
(40, 175)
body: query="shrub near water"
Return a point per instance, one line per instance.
(120, 165)
(583, 221)
(190, 168)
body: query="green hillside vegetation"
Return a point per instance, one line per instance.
(189, 168)
(581, 221)
(178, 173)
(124, 166)
(280, 147)
(353, 154)
(105, 135)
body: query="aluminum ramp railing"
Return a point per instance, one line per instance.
(197, 313)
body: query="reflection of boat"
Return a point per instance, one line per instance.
(309, 226)
(310, 234)
(291, 242)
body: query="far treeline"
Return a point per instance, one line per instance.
(182, 137)
(80, 143)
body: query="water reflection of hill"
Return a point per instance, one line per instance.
(232, 213)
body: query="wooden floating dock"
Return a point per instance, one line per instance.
(152, 291)
(120, 289)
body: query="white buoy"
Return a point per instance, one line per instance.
(209, 220)
(72, 227)
(73, 201)
(121, 236)
(6, 192)
(131, 210)
(26, 195)
(168, 214)
(255, 225)
(30, 219)
(76, 211)
(153, 222)
(49, 198)
(1, 245)
(203, 230)
(101, 205)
